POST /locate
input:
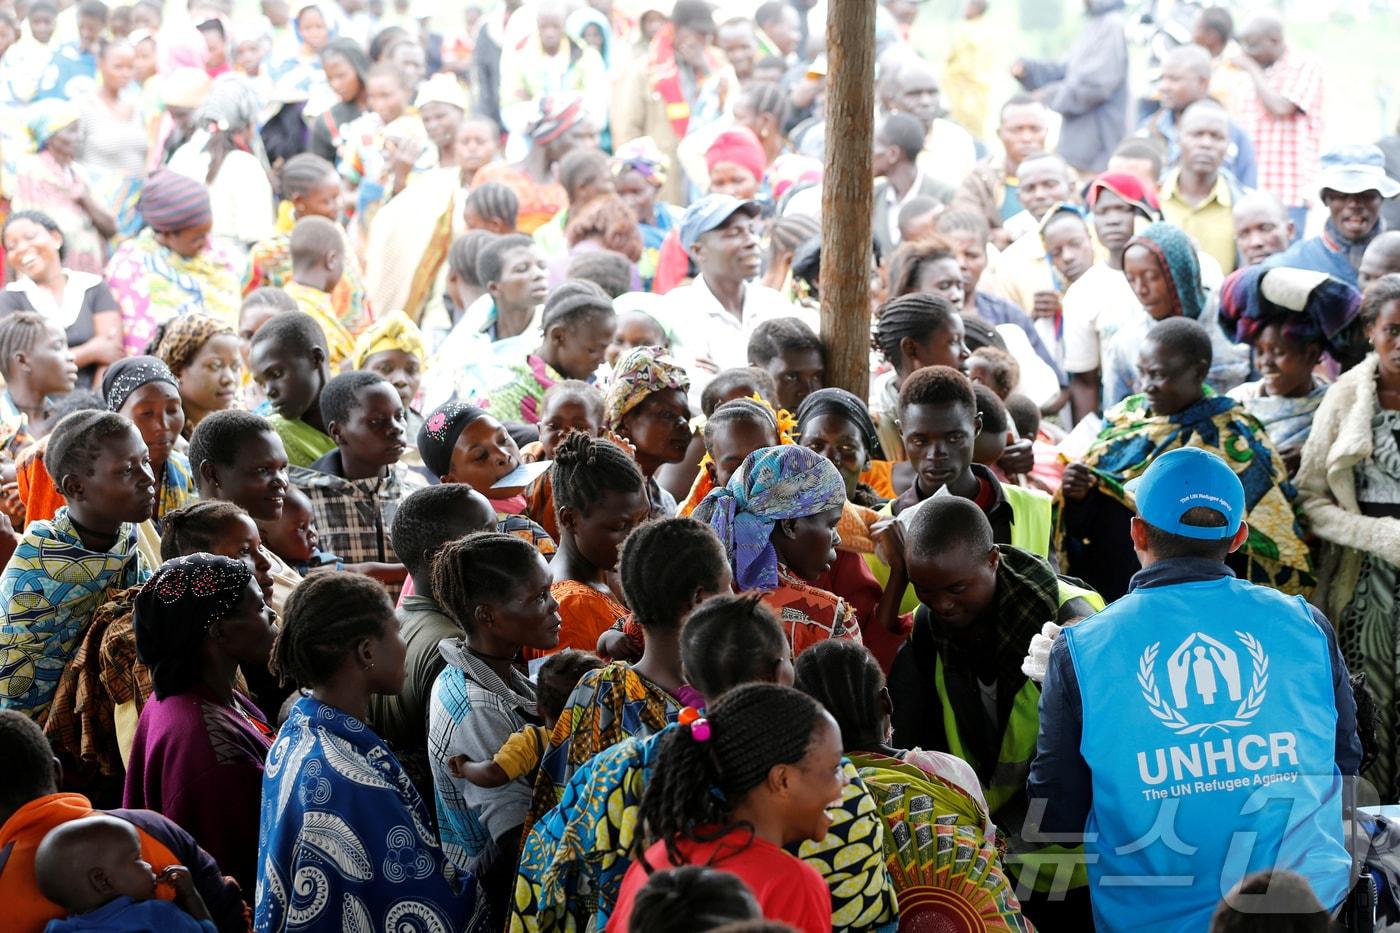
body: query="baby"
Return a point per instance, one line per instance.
(293, 536)
(92, 867)
(558, 676)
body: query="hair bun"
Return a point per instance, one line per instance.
(576, 449)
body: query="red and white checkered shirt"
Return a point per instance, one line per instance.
(1287, 147)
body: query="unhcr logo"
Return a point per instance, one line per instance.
(1205, 684)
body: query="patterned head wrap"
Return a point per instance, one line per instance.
(394, 331)
(1128, 187)
(232, 104)
(1313, 307)
(51, 116)
(644, 371)
(557, 116)
(1177, 257)
(643, 157)
(773, 484)
(170, 202)
(848, 406)
(440, 431)
(130, 373)
(740, 147)
(184, 336)
(174, 611)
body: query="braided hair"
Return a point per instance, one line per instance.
(731, 640)
(196, 527)
(736, 410)
(915, 316)
(301, 173)
(570, 304)
(325, 618)
(729, 380)
(690, 899)
(495, 201)
(586, 468)
(907, 263)
(478, 569)
(461, 258)
(753, 729)
(789, 232)
(767, 97)
(846, 679)
(663, 565)
(20, 332)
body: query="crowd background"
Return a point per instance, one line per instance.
(424, 505)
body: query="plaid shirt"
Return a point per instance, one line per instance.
(353, 517)
(1287, 148)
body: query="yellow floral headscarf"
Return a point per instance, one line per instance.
(394, 331)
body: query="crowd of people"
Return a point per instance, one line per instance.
(426, 505)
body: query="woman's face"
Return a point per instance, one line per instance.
(257, 478)
(808, 544)
(820, 779)
(1384, 334)
(51, 367)
(239, 539)
(343, 78)
(1285, 363)
(156, 410)
(524, 280)
(639, 195)
(839, 441)
(118, 67)
(1170, 382)
(403, 371)
(944, 278)
(477, 145)
(599, 534)
(734, 180)
(441, 122)
(120, 486)
(312, 26)
(484, 453)
(33, 249)
(189, 242)
(386, 97)
(1150, 282)
(946, 346)
(64, 144)
(529, 616)
(660, 427)
(246, 634)
(389, 652)
(210, 381)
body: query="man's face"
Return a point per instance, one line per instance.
(1044, 183)
(956, 587)
(41, 23)
(1023, 130)
(1381, 258)
(917, 93)
(1264, 45)
(1354, 214)
(1181, 85)
(690, 47)
(738, 44)
(1205, 138)
(785, 31)
(550, 25)
(730, 250)
(1113, 220)
(1260, 231)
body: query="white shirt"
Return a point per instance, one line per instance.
(240, 197)
(1095, 307)
(897, 203)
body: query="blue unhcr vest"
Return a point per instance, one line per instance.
(1209, 726)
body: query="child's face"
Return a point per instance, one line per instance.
(563, 414)
(599, 534)
(401, 369)
(386, 97)
(52, 370)
(240, 539)
(631, 330)
(127, 873)
(808, 544)
(293, 537)
(156, 410)
(120, 486)
(797, 373)
(1285, 363)
(982, 372)
(312, 26)
(580, 349)
(484, 452)
(732, 443)
(248, 57)
(292, 381)
(660, 427)
(210, 381)
(41, 24)
(323, 200)
(988, 448)
(375, 431)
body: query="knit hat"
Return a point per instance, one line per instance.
(170, 201)
(440, 431)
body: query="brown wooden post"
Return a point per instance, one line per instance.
(846, 184)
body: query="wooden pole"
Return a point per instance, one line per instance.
(846, 186)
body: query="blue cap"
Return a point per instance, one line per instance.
(1185, 479)
(711, 212)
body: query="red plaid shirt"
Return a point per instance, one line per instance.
(1287, 147)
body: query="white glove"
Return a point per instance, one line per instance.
(1038, 655)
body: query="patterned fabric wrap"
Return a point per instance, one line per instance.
(772, 484)
(50, 116)
(1287, 421)
(1177, 257)
(607, 706)
(43, 183)
(185, 336)
(345, 840)
(153, 284)
(573, 860)
(130, 373)
(176, 487)
(340, 345)
(940, 859)
(643, 371)
(557, 116)
(1132, 438)
(522, 398)
(393, 331)
(50, 588)
(1313, 307)
(642, 156)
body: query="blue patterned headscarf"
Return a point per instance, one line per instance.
(1177, 256)
(772, 485)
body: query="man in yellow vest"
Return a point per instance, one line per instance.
(957, 684)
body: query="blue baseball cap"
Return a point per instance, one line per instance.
(709, 213)
(1185, 479)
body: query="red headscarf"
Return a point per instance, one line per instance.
(1128, 187)
(739, 146)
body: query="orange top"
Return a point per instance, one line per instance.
(36, 489)
(585, 614)
(880, 477)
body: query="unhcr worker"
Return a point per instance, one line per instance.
(1239, 724)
